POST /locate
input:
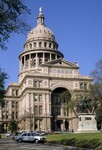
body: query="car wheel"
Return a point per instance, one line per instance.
(20, 140)
(36, 141)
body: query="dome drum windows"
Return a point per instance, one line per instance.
(40, 44)
(33, 60)
(35, 45)
(49, 45)
(26, 61)
(53, 56)
(45, 44)
(33, 56)
(40, 56)
(47, 57)
(30, 45)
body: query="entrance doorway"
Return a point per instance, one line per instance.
(58, 109)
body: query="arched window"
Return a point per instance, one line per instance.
(30, 45)
(40, 44)
(49, 45)
(45, 44)
(34, 44)
(54, 46)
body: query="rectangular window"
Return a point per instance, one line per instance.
(16, 115)
(39, 84)
(35, 83)
(70, 72)
(6, 104)
(62, 71)
(58, 111)
(6, 114)
(16, 92)
(16, 105)
(12, 114)
(40, 98)
(66, 71)
(54, 70)
(13, 104)
(50, 71)
(40, 110)
(3, 115)
(35, 97)
(83, 86)
(58, 71)
(64, 111)
(35, 110)
(13, 92)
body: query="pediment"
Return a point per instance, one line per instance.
(61, 63)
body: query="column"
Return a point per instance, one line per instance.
(63, 125)
(50, 56)
(43, 58)
(37, 63)
(29, 60)
(38, 125)
(55, 124)
(49, 103)
(44, 104)
(56, 57)
(27, 103)
(10, 109)
(24, 62)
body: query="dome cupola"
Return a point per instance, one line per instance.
(40, 31)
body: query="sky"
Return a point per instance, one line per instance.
(77, 26)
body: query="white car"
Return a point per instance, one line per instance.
(30, 137)
(8, 134)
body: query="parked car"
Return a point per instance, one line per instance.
(29, 137)
(8, 134)
(40, 133)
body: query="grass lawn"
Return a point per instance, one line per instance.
(83, 140)
(3, 135)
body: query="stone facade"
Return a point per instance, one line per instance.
(34, 102)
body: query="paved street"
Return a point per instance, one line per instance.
(10, 144)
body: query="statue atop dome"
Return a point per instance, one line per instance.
(40, 10)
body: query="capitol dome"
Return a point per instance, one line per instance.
(41, 31)
(40, 47)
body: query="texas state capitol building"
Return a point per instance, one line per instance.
(43, 74)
